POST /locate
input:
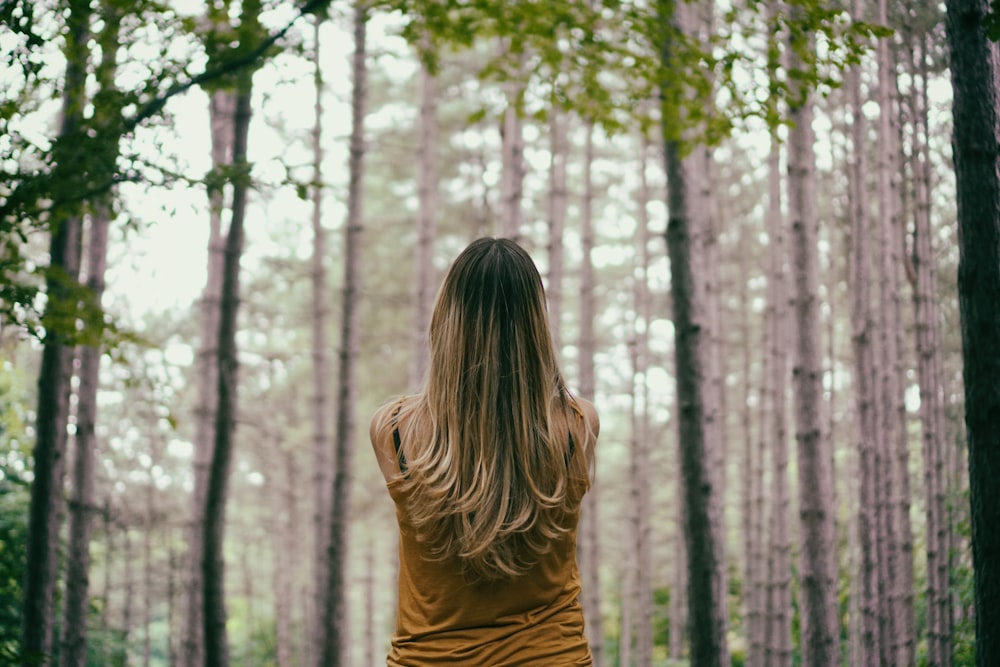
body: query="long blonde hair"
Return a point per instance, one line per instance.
(490, 475)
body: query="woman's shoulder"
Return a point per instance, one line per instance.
(384, 422)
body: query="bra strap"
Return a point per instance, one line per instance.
(396, 442)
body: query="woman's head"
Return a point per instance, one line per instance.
(490, 324)
(487, 464)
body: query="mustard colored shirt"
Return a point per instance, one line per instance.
(535, 620)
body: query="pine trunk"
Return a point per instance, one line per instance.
(558, 126)
(41, 564)
(974, 72)
(512, 178)
(778, 639)
(216, 492)
(221, 110)
(73, 651)
(931, 385)
(640, 455)
(589, 526)
(818, 564)
(892, 410)
(321, 449)
(335, 616)
(862, 337)
(423, 260)
(706, 593)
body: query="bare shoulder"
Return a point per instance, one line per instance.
(379, 431)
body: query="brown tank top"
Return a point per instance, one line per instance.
(535, 620)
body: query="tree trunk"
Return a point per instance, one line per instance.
(321, 449)
(283, 537)
(928, 342)
(40, 571)
(778, 633)
(818, 569)
(862, 338)
(335, 607)
(221, 111)
(512, 178)
(692, 327)
(129, 586)
(640, 458)
(423, 261)
(558, 128)
(893, 408)
(588, 548)
(974, 73)
(73, 651)
(216, 493)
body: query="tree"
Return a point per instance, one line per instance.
(213, 563)
(74, 627)
(706, 592)
(318, 313)
(974, 75)
(334, 610)
(816, 513)
(40, 569)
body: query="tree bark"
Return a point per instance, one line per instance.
(588, 549)
(216, 492)
(640, 457)
(81, 507)
(778, 633)
(893, 408)
(818, 566)
(321, 447)
(512, 178)
(931, 383)
(862, 339)
(221, 111)
(423, 261)
(974, 73)
(335, 608)
(54, 390)
(706, 594)
(558, 127)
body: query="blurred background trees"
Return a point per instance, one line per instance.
(793, 157)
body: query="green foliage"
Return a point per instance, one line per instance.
(14, 500)
(992, 21)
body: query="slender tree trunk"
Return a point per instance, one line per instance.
(589, 536)
(640, 457)
(974, 72)
(818, 568)
(862, 335)
(321, 449)
(147, 574)
(893, 409)
(216, 493)
(692, 326)
(221, 111)
(678, 582)
(74, 628)
(931, 387)
(558, 130)
(335, 614)
(778, 641)
(512, 177)
(423, 261)
(284, 537)
(129, 586)
(40, 571)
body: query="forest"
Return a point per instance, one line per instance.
(769, 232)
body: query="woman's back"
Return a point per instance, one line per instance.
(487, 465)
(443, 618)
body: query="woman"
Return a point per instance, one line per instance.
(487, 466)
